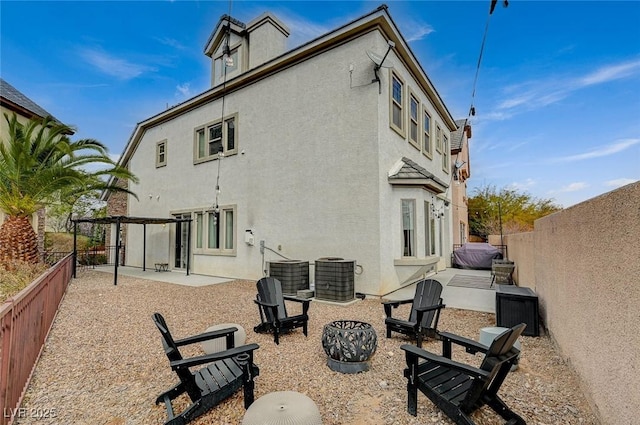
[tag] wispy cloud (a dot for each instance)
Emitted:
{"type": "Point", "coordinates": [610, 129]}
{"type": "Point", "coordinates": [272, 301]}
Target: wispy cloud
{"type": "Point", "coordinates": [416, 31]}
{"type": "Point", "coordinates": [619, 182]}
{"type": "Point", "coordinates": [112, 65]}
{"type": "Point", "coordinates": [171, 42]}
{"type": "Point", "coordinates": [523, 185]}
{"type": "Point", "coordinates": [613, 148]}
{"type": "Point", "coordinates": [183, 90]}
{"type": "Point", "coordinates": [610, 73]}
{"type": "Point", "coordinates": [535, 94]}
{"type": "Point", "coordinates": [571, 187]}
{"type": "Point", "coordinates": [301, 29]}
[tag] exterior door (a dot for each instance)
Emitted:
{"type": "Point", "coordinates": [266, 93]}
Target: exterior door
{"type": "Point", "coordinates": [181, 242]}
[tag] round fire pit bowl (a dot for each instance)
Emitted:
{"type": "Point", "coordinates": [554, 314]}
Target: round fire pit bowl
{"type": "Point", "coordinates": [349, 345]}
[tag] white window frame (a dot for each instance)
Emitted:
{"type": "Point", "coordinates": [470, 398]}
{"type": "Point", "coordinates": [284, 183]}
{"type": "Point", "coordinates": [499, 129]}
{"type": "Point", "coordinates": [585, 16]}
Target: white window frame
{"type": "Point", "coordinates": [438, 138]}
{"type": "Point", "coordinates": [205, 129]}
{"type": "Point", "coordinates": [414, 123]}
{"type": "Point", "coordinates": [227, 243]}
{"type": "Point", "coordinates": [401, 129]}
{"type": "Point", "coordinates": [412, 231]}
{"type": "Point", "coordinates": [427, 140]}
{"type": "Point", "coordinates": [161, 152]}
{"type": "Point", "coordinates": [445, 153]}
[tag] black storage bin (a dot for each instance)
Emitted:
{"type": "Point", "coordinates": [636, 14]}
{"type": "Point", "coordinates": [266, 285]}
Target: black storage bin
{"type": "Point", "coordinates": [515, 305]}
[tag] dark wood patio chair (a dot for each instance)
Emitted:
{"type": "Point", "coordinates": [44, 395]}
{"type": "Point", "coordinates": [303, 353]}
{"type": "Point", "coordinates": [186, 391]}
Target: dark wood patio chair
{"type": "Point", "coordinates": [459, 389]}
{"type": "Point", "coordinates": [425, 312]}
{"type": "Point", "coordinates": [225, 373]}
{"type": "Point", "coordinates": [273, 311]}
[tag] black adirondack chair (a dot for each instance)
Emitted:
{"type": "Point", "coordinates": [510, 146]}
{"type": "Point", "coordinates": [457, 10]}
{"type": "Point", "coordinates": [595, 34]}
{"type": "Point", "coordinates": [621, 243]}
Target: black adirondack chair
{"type": "Point", "coordinates": [459, 389]}
{"type": "Point", "coordinates": [425, 312]}
{"type": "Point", "coordinates": [273, 311]}
{"type": "Point", "coordinates": [225, 373]}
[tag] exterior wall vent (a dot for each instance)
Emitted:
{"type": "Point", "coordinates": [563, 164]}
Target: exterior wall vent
{"type": "Point", "coordinates": [293, 274]}
{"type": "Point", "coordinates": [335, 279]}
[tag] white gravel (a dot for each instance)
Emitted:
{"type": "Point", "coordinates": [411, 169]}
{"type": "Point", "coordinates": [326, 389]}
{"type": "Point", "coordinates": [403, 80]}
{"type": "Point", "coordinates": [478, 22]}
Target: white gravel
{"type": "Point", "coordinates": [104, 364]}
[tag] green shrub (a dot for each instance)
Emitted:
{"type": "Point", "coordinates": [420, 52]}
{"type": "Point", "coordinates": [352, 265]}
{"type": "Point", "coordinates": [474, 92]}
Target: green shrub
{"type": "Point", "coordinates": [63, 242]}
{"type": "Point", "coordinates": [16, 275]}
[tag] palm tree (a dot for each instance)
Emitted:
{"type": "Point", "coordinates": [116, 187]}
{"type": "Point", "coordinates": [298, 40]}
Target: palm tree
{"type": "Point", "coordinates": [38, 161]}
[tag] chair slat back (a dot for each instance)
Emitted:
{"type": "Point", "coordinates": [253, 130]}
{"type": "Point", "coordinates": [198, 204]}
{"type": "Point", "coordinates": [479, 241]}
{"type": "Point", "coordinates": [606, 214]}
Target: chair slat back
{"type": "Point", "coordinates": [428, 292]}
{"type": "Point", "coordinates": [172, 352]}
{"type": "Point", "coordinates": [270, 291]}
{"type": "Point", "coordinates": [170, 347]}
{"type": "Point", "coordinates": [497, 362]}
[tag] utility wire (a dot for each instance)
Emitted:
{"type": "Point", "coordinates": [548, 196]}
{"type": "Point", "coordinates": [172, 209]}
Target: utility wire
{"type": "Point", "coordinates": [472, 108]}
{"type": "Point", "coordinates": [226, 53]}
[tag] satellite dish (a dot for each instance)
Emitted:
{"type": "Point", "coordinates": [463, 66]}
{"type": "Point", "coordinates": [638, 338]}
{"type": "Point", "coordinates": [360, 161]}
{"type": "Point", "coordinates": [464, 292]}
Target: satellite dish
{"type": "Point", "coordinates": [378, 60]}
{"type": "Point", "coordinates": [459, 164]}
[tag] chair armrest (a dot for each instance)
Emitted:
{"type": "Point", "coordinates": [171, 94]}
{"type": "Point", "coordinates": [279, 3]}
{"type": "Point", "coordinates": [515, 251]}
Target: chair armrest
{"type": "Point", "coordinates": [396, 303]}
{"type": "Point", "coordinates": [262, 303]}
{"type": "Point", "coordinates": [304, 302]}
{"type": "Point", "coordinates": [470, 345]}
{"type": "Point", "coordinates": [206, 336]}
{"type": "Point", "coordinates": [431, 307]}
{"type": "Point", "coordinates": [388, 304]}
{"type": "Point", "coordinates": [208, 358]}
{"type": "Point", "coordinates": [413, 352]}
{"type": "Point", "coordinates": [296, 299]}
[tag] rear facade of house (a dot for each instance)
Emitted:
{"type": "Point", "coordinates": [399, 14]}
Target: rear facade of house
{"type": "Point", "coordinates": [324, 154]}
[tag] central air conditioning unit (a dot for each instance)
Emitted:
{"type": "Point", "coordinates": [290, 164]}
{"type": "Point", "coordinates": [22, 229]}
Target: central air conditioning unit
{"type": "Point", "coordinates": [335, 279]}
{"type": "Point", "coordinates": [292, 274]}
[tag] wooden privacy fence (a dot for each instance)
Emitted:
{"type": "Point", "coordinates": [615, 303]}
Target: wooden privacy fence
{"type": "Point", "coordinates": [25, 321]}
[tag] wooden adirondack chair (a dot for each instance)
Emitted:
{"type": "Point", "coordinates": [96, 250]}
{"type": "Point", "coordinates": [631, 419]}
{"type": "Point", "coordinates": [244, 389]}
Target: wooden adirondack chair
{"type": "Point", "coordinates": [225, 373]}
{"type": "Point", "coordinates": [425, 312]}
{"type": "Point", "coordinates": [459, 389]}
{"type": "Point", "coordinates": [273, 311]}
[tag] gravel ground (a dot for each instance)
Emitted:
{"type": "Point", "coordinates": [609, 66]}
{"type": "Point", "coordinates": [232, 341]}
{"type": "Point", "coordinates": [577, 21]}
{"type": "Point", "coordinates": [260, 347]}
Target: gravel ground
{"type": "Point", "coordinates": [103, 362]}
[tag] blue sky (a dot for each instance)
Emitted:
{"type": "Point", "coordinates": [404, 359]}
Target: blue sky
{"type": "Point", "coordinates": [557, 100]}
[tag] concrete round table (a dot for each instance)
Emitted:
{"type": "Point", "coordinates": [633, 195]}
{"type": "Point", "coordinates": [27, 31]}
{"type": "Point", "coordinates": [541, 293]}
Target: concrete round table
{"type": "Point", "coordinates": [220, 344]}
{"type": "Point", "coordinates": [487, 335]}
{"type": "Point", "coordinates": [283, 408]}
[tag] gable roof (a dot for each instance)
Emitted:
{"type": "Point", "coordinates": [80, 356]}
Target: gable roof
{"type": "Point", "coordinates": [377, 20]}
{"type": "Point", "coordinates": [457, 136]}
{"type": "Point", "coordinates": [219, 32]}
{"type": "Point", "coordinates": [15, 100]}
{"type": "Point", "coordinates": [408, 173]}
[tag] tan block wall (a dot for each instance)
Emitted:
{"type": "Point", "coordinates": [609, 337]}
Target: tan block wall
{"type": "Point", "coordinates": [586, 263]}
{"type": "Point", "coordinates": [520, 248]}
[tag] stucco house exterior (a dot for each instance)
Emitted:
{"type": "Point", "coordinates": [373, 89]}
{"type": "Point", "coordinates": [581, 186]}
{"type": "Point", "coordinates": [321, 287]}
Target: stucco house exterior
{"type": "Point", "coordinates": [13, 101]}
{"type": "Point", "coordinates": [461, 172]}
{"type": "Point", "coordinates": [319, 151]}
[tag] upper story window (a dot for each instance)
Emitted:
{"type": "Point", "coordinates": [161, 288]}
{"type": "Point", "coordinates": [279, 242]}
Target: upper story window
{"type": "Point", "coordinates": [427, 147]}
{"type": "Point", "coordinates": [216, 137]}
{"type": "Point", "coordinates": [414, 121]}
{"type": "Point", "coordinates": [438, 139]}
{"type": "Point", "coordinates": [397, 104]}
{"type": "Point", "coordinates": [445, 153]}
{"type": "Point", "coordinates": [161, 154]}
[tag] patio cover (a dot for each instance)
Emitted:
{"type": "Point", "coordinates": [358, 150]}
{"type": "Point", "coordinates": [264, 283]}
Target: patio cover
{"type": "Point", "coordinates": [122, 219]}
{"type": "Point", "coordinates": [475, 256]}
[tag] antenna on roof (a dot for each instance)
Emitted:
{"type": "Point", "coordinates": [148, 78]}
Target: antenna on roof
{"type": "Point", "coordinates": [379, 63]}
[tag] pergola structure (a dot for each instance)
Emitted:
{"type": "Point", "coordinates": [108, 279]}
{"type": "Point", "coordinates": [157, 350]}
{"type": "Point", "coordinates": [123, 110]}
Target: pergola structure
{"type": "Point", "coordinates": [122, 219]}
